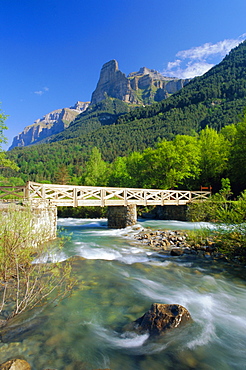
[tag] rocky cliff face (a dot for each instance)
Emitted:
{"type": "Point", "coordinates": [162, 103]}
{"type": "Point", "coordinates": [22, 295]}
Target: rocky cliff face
{"type": "Point", "coordinates": [114, 83]}
{"type": "Point", "coordinates": [52, 123]}
{"type": "Point", "coordinates": [142, 87]}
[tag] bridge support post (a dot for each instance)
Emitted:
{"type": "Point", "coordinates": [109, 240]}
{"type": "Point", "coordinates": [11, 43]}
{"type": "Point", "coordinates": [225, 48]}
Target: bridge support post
{"type": "Point", "coordinates": [120, 217]}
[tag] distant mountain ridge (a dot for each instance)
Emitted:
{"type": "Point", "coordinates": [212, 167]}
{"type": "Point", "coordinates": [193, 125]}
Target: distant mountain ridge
{"type": "Point", "coordinates": [50, 124]}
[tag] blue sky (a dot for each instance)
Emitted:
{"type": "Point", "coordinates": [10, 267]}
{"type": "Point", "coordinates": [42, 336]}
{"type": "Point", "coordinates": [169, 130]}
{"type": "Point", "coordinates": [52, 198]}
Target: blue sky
{"type": "Point", "coordinates": [52, 50]}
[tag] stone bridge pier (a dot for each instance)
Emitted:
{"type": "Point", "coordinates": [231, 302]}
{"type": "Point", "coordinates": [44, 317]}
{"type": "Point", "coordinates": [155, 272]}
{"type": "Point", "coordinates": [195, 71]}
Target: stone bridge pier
{"type": "Point", "coordinates": [120, 217]}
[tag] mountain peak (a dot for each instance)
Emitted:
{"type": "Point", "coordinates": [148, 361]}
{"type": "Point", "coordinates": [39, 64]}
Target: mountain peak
{"type": "Point", "coordinates": [142, 87]}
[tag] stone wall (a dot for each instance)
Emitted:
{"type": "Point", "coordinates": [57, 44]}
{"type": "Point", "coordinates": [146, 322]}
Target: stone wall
{"type": "Point", "coordinates": [179, 213]}
{"type": "Point", "coordinates": [120, 217]}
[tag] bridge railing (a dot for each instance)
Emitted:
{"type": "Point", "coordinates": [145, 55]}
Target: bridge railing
{"type": "Point", "coordinates": [12, 192]}
{"type": "Point", "coordinates": [71, 195]}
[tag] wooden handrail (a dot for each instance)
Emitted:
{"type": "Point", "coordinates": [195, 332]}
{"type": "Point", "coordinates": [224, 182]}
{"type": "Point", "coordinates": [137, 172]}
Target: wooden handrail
{"type": "Point", "coordinates": [74, 195]}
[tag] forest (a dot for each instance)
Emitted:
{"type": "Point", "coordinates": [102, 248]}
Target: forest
{"type": "Point", "coordinates": [186, 162]}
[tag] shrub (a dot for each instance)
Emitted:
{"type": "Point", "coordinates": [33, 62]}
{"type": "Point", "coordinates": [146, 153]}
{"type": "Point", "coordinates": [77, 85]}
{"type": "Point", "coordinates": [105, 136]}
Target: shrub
{"type": "Point", "coordinates": [26, 281]}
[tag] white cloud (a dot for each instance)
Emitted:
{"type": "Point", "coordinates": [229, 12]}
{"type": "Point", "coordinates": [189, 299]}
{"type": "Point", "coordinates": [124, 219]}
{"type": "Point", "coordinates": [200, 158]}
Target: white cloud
{"type": "Point", "coordinates": [195, 61]}
{"type": "Point", "coordinates": [206, 50]}
{"type": "Point", "coordinates": [41, 92]}
{"type": "Point", "coordinates": [174, 64]}
{"type": "Point", "coordinates": [191, 70]}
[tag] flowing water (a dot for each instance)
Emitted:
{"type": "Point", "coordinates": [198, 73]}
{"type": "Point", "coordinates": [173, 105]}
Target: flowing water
{"type": "Point", "coordinates": [118, 280]}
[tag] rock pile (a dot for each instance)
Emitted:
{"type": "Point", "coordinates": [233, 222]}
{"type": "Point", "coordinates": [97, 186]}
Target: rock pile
{"type": "Point", "coordinates": [175, 243]}
{"type": "Point", "coordinates": [164, 240]}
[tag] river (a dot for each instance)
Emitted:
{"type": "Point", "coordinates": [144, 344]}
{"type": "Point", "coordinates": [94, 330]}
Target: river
{"type": "Point", "coordinates": [118, 280]}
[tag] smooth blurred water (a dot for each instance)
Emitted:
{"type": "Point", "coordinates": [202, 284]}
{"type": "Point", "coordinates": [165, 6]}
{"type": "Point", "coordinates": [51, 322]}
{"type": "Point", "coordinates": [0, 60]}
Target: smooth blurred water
{"type": "Point", "coordinates": [118, 280]}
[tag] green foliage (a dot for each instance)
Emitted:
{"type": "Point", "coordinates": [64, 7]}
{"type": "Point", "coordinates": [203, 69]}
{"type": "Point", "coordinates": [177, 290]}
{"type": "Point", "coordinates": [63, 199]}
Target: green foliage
{"type": "Point", "coordinates": [4, 162]}
{"type": "Point", "coordinates": [134, 169]}
{"type": "Point", "coordinates": [82, 212]}
{"type": "Point", "coordinates": [11, 181]}
{"type": "Point", "coordinates": [149, 95]}
{"type": "Point", "coordinates": [3, 127]}
{"type": "Point", "coordinates": [119, 176]}
{"type": "Point", "coordinates": [214, 156]}
{"type": "Point", "coordinates": [225, 190]}
{"type": "Point", "coordinates": [166, 166]}
{"type": "Point", "coordinates": [205, 211]}
{"type": "Point", "coordinates": [62, 175]}
{"type": "Point", "coordinates": [229, 133]}
{"type": "Point", "coordinates": [218, 209]}
{"type": "Point", "coordinates": [96, 170]}
{"type": "Point", "coordinates": [237, 160]}
{"type": "Point", "coordinates": [199, 237]}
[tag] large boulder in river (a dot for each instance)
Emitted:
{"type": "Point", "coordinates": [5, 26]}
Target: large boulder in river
{"type": "Point", "coordinates": [15, 364]}
{"type": "Point", "coordinates": [162, 317]}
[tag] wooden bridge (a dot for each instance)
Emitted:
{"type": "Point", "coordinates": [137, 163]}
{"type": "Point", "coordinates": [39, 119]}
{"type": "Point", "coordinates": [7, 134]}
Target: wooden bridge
{"type": "Point", "coordinates": [79, 196]}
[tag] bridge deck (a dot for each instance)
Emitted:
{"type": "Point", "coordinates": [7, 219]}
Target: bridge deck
{"type": "Point", "coordinates": [77, 196]}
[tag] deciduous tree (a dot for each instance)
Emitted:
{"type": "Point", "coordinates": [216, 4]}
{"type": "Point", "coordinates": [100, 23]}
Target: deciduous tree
{"type": "Point", "coordinates": [214, 156]}
{"type": "Point", "coordinates": [96, 171]}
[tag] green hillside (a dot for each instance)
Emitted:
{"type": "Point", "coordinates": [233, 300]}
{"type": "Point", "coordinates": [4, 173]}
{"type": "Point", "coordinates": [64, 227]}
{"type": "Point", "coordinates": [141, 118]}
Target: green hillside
{"type": "Point", "coordinates": [215, 99]}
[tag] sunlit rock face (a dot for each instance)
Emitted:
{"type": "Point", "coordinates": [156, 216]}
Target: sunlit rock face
{"type": "Point", "coordinates": [114, 83]}
{"type": "Point", "coordinates": [142, 87]}
{"type": "Point", "coordinates": [50, 124]}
